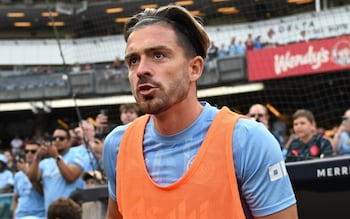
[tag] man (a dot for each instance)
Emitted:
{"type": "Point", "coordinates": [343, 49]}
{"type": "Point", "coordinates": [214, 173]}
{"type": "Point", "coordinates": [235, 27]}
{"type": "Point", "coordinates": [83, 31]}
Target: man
{"type": "Point", "coordinates": [305, 143]}
{"type": "Point", "coordinates": [176, 161]}
{"type": "Point", "coordinates": [86, 131]}
{"type": "Point", "coordinates": [60, 172]}
{"type": "Point", "coordinates": [259, 113]}
{"type": "Point", "coordinates": [27, 201]}
{"type": "Point", "coordinates": [341, 139]}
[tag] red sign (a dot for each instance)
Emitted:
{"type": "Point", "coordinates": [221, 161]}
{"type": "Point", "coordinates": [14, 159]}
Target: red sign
{"type": "Point", "coordinates": [312, 57]}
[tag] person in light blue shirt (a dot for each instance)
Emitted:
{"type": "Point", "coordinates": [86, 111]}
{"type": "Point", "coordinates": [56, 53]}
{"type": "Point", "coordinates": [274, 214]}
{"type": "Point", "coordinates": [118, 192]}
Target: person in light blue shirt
{"type": "Point", "coordinates": [86, 131]}
{"type": "Point", "coordinates": [60, 172]}
{"type": "Point", "coordinates": [6, 177]}
{"type": "Point", "coordinates": [341, 139]}
{"type": "Point", "coordinates": [28, 200]}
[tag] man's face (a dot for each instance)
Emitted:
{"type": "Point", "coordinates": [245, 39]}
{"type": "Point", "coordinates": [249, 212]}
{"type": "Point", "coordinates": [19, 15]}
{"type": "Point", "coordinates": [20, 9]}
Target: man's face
{"type": "Point", "coordinates": [8, 155]}
{"type": "Point", "coordinates": [158, 68]}
{"type": "Point", "coordinates": [60, 140]}
{"type": "Point", "coordinates": [303, 127]}
{"type": "Point", "coordinates": [259, 114]}
{"type": "Point", "coordinates": [30, 151]}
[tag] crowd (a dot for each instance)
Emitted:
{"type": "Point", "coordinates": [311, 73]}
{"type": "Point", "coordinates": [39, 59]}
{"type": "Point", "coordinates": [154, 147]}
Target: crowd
{"type": "Point", "coordinates": [50, 168]}
{"type": "Point", "coordinates": [240, 47]}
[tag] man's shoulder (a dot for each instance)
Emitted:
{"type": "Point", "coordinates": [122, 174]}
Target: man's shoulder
{"type": "Point", "coordinates": [117, 132]}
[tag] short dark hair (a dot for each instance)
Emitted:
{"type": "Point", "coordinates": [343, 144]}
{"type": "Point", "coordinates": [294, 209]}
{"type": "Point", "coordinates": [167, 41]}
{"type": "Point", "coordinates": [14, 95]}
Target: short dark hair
{"type": "Point", "coordinates": [63, 129]}
{"type": "Point", "coordinates": [129, 107]}
{"type": "Point", "coordinates": [189, 30]}
{"type": "Point", "coordinates": [64, 208]}
{"type": "Point", "coordinates": [304, 113]}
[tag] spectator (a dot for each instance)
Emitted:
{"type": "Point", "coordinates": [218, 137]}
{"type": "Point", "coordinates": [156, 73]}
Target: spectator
{"type": "Point", "coordinates": [232, 48]}
{"type": "Point", "coordinates": [76, 68]}
{"type": "Point", "coordinates": [302, 37]}
{"type": "Point", "coordinates": [60, 172]}
{"type": "Point", "coordinates": [241, 49]}
{"type": "Point", "coordinates": [271, 40]}
{"type": "Point", "coordinates": [64, 208]}
{"type": "Point", "coordinates": [88, 67]}
{"type": "Point", "coordinates": [213, 51]}
{"type": "Point", "coordinates": [86, 131]}
{"type": "Point", "coordinates": [180, 152]}
{"type": "Point", "coordinates": [257, 43]}
{"type": "Point", "coordinates": [249, 43]}
{"type": "Point", "coordinates": [222, 51]}
{"type": "Point", "coordinates": [102, 125]}
{"type": "Point", "coordinates": [306, 143]}
{"type": "Point", "coordinates": [259, 113]}
{"type": "Point", "coordinates": [93, 178]}
{"type": "Point", "coordinates": [341, 139]}
{"type": "Point", "coordinates": [11, 164]}
{"type": "Point", "coordinates": [128, 112]}
{"type": "Point", "coordinates": [93, 209]}
{"type": "Point", "coordinates": [27, 198]}
{"type": "Point", "coordinates": [6, 177]}
{"type": "Point", "coordinates": [117, 63]}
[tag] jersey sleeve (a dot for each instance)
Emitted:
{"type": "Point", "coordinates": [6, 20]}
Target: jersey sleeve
{"type": "Point", "coordinates": [260, 169]}
{"type": "Point", "coordinates": [109, 158]}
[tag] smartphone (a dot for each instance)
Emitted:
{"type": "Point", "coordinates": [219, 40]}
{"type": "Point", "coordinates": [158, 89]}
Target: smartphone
{"type": "Point", "coordinates": [48, 140]}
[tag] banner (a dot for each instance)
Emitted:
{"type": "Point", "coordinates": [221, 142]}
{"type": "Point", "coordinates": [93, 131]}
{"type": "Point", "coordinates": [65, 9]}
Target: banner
{"type": "Point", "coordinates": [319, 56]}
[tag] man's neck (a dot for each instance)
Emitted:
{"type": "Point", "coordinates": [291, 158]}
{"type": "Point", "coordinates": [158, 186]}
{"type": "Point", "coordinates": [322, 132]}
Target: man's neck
{"type": "Point", "coordinates": [177, 118]}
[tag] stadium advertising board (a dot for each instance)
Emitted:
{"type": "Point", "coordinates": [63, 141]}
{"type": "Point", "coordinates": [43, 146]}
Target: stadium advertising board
{"type": "Point", "coordinates": [319, 56]}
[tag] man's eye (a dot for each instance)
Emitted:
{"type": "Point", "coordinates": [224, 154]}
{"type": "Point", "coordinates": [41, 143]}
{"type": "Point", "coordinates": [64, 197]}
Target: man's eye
{"type": "Point", "coordinates": [158, 56]}
{"type": "Point", "coordinates": [132, 61]}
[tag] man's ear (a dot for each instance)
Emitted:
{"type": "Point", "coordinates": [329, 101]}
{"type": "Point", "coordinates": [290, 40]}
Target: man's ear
{"type": "Point", "coordinates": [196, 68]}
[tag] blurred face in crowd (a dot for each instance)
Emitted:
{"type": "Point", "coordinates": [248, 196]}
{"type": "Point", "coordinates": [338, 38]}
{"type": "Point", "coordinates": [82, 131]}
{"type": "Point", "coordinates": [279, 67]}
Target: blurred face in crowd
{"type": "Point", "coordinates": [259, 113]}
{"type": "Point", "coordinates": [30, 151]}
{"type": "Point", "coordinates": [9, 156]}
{"type": "Point", "coordinates": [304, 128]}
{"type": "Point", "coordinates": [128, 115]}
{"type": "Point", "coordinates": [61, 140]}
{"type": "Point", "coordinates": [158, 68]}
{"type": "Point", "coordinates": [346, 121]}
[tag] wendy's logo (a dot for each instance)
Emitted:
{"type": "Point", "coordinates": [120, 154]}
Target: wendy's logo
{"type": "Point", "coordinates": [341, 52]}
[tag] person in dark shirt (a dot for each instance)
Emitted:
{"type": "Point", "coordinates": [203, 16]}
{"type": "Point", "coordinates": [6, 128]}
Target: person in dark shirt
{"type": "Point", "coordinates": [306, 143]}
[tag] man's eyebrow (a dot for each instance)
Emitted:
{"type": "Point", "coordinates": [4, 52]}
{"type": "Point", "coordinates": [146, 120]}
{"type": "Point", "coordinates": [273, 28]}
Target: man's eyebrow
{"type": "Point", "coordinates": [147, 50]}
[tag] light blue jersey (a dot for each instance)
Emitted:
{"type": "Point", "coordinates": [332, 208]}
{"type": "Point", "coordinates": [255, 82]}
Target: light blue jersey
{"type": "Point", "coordinates": [344, 143]}
{"type": "Point", "coordinates": [6, 178]}
{"type": "Point", "coordinates": [90, 162]}
{"type": "Point", "coordinates": [30, 202]}
{"type": "Point", "coordinates": [54, 185]}
{"type": "Point", "coordinates": [261, 174]}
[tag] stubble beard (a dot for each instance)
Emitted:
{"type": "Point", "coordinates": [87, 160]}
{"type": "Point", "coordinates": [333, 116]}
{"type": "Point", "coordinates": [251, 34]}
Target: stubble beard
{"type": "Point", "coordinates": [162, 100]}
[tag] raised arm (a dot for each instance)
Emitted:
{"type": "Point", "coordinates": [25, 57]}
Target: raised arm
{"type": "Point", "coordinates": [34, 173]}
